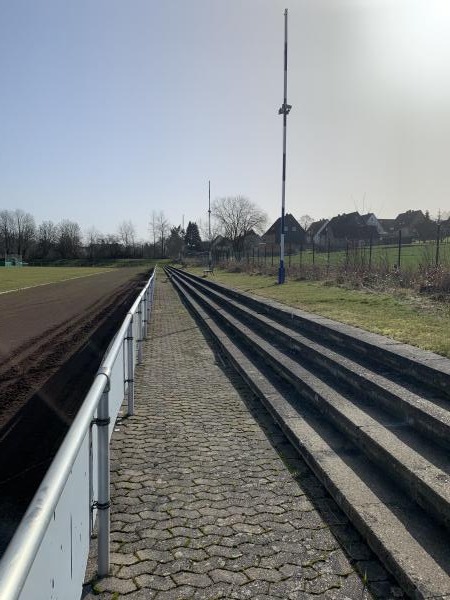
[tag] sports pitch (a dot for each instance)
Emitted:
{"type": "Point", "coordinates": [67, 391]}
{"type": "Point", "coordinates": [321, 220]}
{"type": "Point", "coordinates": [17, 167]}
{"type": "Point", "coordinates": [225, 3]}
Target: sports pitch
{"type": "Point", "coordinates": [17, 278]}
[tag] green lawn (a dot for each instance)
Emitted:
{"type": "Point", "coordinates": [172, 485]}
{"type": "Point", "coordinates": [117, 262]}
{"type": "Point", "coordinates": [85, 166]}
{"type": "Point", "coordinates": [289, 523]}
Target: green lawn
{"type": "Point", "coordinates": [12, 278]}
{"type": "Point", "coordinates": [99, 262]}
{"type": "Point", "coordinates": [412, 255]}
{"type": "Point", "coordinates": [403, 316]}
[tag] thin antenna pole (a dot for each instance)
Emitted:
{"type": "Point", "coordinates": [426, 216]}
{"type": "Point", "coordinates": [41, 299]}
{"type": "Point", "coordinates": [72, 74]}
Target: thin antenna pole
{"type": "Point", "coordinates": [209, 209]}
{"type": "Point", "coordinates": [284, 110]}
{"type": "Point", "coordinates": [209, 223]}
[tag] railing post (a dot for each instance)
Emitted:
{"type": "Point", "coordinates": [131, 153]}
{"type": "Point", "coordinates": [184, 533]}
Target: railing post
{"type": "Point", "coordinates": [145, 315]}
{"type": "Point", "coordinates": [91, 482]}
{"type": "Point", "coordinates": [151, 291]}
{"type": "Point", "coordinates": [103, 502]}
{"type": "Point", "coordinates": [139, 341]}
{"type": "Point", "coordinates": [150, 301]}
{"type": "Point", "coordinates": [130, 369]}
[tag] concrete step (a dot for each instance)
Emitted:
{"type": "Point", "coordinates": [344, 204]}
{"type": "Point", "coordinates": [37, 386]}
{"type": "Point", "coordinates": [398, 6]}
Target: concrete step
{"type": "Point", "coordinates": [411, 545]}
{"type": "Point", "coordinates": [425, 412]}
{"type": "Point", "coordinates": [417, 365]}
{"type": "Point", "coordinates": [424, 481]}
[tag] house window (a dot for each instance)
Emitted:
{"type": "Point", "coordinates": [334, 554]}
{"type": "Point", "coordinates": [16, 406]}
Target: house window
{"type": "Point", "coordinates": [294, 228]}
{"type": "Point", "coordinates": [286, 228]}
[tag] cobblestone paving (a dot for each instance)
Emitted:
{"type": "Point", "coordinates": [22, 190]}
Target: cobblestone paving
{"type": "Point", "coordinates": [204, 507]}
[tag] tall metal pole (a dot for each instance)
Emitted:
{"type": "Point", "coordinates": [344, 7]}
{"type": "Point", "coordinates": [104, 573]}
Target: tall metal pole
{"type": "Point", "coordinates": [284, 110]}
{"type": "Point", "coordinates": [209, 209]}
{"type": "Point", "coordinates": [209, 223]}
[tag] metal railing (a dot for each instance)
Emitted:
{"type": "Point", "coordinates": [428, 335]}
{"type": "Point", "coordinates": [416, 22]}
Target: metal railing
{"type": "Point", "coordinates": [48, 554]}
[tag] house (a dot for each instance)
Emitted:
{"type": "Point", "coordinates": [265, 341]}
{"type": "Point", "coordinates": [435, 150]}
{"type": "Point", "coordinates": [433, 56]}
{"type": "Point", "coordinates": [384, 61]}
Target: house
{"type": "Point", "coordinates": [314, 233]}
{"type": "Point", "coordinates": [247, 242]}
{"type": "Point", "coordinates": [371, 220]}
{"type": "Point", "coordinates": [388, 226]}
{"type": "Point", "coordinates": [221, 244]}
{"type": "Point", "coordinates": [243, 244]}
{"type": "Point", "coordinates": [445, 228]}
{"type": "Point", "coordinates": [409, 223]}
{"type": "Point", "coordinates": [341, 230]}
{"type": "Point", "coordinates": [294, 234]}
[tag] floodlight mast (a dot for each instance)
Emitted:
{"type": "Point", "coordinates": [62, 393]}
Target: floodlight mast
{"type": "Point", "coordinates": [209, 225]}
{"type": "Point", "coordinates": [284, 110]}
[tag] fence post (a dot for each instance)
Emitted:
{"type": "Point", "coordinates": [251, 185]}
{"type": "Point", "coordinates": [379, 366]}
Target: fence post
{"type": "Point", "coordinates": [370, 252]}
{"type": "Point", "coordinates": [399, 248]}
{"type": "Point", "coordinates": [130, 369]}
{"type": "Point", "coordinates": [103, 501]}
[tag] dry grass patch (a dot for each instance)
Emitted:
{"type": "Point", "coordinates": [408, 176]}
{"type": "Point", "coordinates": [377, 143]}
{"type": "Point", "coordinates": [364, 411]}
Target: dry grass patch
{"type": "Point", "coordinates": [401, 315]}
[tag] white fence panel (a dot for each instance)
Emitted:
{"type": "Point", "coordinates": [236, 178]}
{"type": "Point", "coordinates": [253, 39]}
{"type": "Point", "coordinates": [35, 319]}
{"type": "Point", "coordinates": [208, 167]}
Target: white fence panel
{"type": "Point", "coordinates": [117, 387]}
{"type": "Point", "coordinates": [61, 561]}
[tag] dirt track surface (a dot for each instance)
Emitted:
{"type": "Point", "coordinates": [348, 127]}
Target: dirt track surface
{"type": "Point", "coordinates": [52, 340]}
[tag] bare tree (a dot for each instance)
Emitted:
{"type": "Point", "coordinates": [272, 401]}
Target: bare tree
{"type": "Point", "coordinates": [7, 231]}
{"type": "Point", "coordinates": [25, 230]}
{"type": "Point", "coordinates": [162, 229]}
{"type": "Point", "coordinates": [305, 221]}
{"type": "Point", "coordinates": [47, 237]}
{"type": "Point", "coordinates": [69, 239]}
{"type": "Point", "coordinates": [92, 236]}
{"type": "Point", "coordinates": [153, 231]}
{"type": "Point", "coordinates": [203, 226]}
{"type": "Point", "coordinates": [127, 234]}
{"type": "Point", "coordinates": [93, 239]}
{"type": "Point", "coordinates": [237, 216]}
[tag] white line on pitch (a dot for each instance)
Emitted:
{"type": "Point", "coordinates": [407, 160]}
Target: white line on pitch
{"type": "Point", "coordinates": [29, 287]}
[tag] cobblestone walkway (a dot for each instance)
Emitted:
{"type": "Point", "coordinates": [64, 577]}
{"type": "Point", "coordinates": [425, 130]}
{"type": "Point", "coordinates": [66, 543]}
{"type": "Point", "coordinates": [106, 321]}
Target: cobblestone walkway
{"type": "Point", "coordinates": [204, 507]}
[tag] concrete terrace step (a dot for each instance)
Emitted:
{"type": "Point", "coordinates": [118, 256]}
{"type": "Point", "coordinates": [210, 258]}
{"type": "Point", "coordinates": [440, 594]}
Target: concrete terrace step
{"type": "Point", "coordinates": [410, 543]}
{"type": "Point", "coordinates": [420, 365]}
{"type": "Point", "coordinates": [427, 413]}
{"type": "Point", "coordinates": [426, 483]}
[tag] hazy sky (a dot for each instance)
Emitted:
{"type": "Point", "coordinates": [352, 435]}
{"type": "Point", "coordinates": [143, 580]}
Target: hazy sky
{"type": "Point", "coordinates": [110, 109]}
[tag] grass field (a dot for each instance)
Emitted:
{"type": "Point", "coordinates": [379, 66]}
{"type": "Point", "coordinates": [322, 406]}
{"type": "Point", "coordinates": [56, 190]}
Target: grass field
{"type": "Point", "coordinates": [99, 262]}
{"type": "Point", "coordinates": [412, 256]}
{"type": "Point", "coordinates": [22, 277]}
{"type": "Point", "coordinates": [402, 315]}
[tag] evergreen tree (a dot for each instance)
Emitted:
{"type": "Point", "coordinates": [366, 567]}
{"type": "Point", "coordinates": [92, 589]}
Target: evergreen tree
{"type": "Point", "coordinates": [174, 244]}
{"type": "Point", "coordinates": [192, 238]}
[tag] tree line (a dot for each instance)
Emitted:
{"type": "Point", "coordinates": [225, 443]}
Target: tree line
{"type": "Point", "coordinates": [233, 217]}
{"type": "Point", "coordinates": [20, 235]}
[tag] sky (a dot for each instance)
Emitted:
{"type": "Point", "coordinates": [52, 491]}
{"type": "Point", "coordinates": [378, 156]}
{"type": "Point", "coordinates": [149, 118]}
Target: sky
{"type": "Point", "coordinates": [110, 110]}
